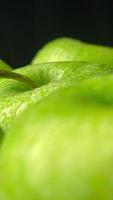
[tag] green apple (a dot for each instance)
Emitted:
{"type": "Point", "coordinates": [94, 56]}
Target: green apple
{"type": "Point", "coordinates": [16, 96]}
{"type": "Point", "coordinates": [67, 49]}
{"type": "Point", "coordinates": [61, 148]}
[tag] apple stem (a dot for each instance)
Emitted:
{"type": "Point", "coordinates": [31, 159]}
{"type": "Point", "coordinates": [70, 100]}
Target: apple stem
{"type": "Point", "coordinates": [18, 77]}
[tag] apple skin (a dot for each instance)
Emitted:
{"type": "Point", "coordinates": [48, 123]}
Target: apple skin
{"type": "Point", "coordinates": [16, 96]}
{"type": "Point", "coordinates": [96, 89]}
{"type": "Point", "coordinates": [1, 135]}
{"type": "Point", "coordinates": [4, 65]}
{"type": "Point", "coordinates": [61, 149]}
{"type": "Point", "coordinates": [68, 49]}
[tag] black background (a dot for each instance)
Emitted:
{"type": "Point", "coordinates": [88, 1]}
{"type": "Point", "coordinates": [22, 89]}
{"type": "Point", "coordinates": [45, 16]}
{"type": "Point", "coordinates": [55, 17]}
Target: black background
{"type": "Point", "coordinates": [26, 25]}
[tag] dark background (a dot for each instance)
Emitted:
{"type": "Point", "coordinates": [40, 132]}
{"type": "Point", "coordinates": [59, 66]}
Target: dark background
{"type": "Point", "coordinates": [26, 25]}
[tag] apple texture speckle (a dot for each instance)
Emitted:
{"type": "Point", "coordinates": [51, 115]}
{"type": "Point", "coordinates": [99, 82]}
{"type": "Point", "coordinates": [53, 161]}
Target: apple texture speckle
{"type": "Point", "coordinates": [15, 96]}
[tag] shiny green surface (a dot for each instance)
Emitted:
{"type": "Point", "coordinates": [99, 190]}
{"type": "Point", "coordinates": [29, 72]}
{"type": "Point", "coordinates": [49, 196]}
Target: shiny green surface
{"type": "Point", "coordinates": [61, 149]}
{"type": "Point", "coordinates": [16, 96]}
{"type": "Point", "coordinates": [67, 49]}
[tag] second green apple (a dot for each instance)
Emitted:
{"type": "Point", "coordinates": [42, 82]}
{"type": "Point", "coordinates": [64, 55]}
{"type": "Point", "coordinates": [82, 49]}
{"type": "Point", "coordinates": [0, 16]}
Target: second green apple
{"type": "Point", "coordinates": [68, 49]}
